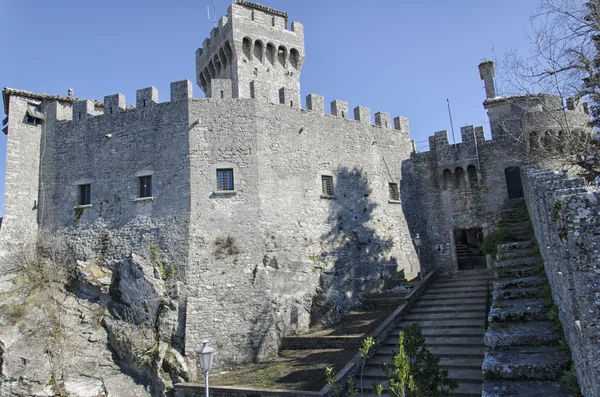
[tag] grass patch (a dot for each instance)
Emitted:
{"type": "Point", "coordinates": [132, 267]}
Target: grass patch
{"type": "Point", "coordinates": [499, 326]}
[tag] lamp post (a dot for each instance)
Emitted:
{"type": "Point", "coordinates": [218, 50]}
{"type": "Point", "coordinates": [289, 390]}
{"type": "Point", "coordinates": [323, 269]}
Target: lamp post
{"type": "Point", "coordinates": [417, 241]}
{"type": "Point", "coordinates": [205, 359]}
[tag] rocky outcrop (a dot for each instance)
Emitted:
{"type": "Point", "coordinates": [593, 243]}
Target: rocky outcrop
{"type": "Point", "coordinates": [98, 333]}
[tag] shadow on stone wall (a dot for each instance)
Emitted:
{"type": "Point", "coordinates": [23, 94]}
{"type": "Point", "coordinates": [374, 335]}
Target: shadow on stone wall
{"type": "Point", "coordinates": [414, 200]}
{"type": "Point", "coordinates": [359, 255]}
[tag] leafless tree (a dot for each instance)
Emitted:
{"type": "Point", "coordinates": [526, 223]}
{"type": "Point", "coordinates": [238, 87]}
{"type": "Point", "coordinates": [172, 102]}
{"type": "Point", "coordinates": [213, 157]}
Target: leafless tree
{"type": "Point", "coordinates": [564, 61]}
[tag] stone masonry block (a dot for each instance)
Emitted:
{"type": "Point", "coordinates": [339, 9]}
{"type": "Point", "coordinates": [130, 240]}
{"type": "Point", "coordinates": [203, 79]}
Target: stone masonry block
{"type": "Point", "coordinates": [479, 136]}
{"type": "Point", "coordinates": [441, 138]}
{"type": "Point", "coordinates": [467, 134]}
{"type": "Point", "coordinates": [181, 90]}
{"type": "Point", "coordinates": [383, 119]}
{"type": "Point", "coordinates": [82, 109]}
{"type": "Point", "coordinates": [401, 124]}
{"type": "Point", "coordinates": [362, 114]}
{"type": "Point", "coordinates": [289, 96]}
{"type": "Point", "coordinates": [258, 90]}
{"type": "Point", "coordinates": [339, 109]}
{"type": "Point", "coordinates": [297, 27]}
{"type": "Point", "coordinates": [145, 97]}
{"type": "Point", "coordinates": [315, 103]}
{"type": "Point", "coordinates": [220, 89]}
{"type": "Point", "coordinates": [114, 103]}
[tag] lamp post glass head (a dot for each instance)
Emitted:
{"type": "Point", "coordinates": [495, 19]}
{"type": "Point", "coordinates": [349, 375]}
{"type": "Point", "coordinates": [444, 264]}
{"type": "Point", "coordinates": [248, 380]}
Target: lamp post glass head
{"type": "Point", "coordinates": [205, 357]}
{"type": "Point", "coordinates": [418, 240]}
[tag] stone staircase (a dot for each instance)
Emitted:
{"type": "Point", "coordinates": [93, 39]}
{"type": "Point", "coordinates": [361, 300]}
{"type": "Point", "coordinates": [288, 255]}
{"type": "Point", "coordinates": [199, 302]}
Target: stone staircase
{"type": "Point", "coordinates": [521, 358]}
{"type": "Point", "coordinates": [452, 317]}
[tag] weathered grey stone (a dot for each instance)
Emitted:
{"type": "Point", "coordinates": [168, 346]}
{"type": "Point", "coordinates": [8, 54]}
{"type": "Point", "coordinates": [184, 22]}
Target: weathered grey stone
{"type": "Point", "coordinates": [524, 282]}
{"type": "Point", "coordinates": [504, 388]}
{"type": "Point", "coordinates": [514, 262]}
{"type": "Point", "coordinates": [540, 363]}
{"type": "Point", "coordinates": [534, 333]}
{"type": "Point", "coordinates": [517, 293]}
{"type": "Point", "coordinates": [518, 310]}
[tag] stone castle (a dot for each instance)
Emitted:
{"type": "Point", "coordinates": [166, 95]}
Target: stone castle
{"type": "Point", "coordinates": [271, 217]}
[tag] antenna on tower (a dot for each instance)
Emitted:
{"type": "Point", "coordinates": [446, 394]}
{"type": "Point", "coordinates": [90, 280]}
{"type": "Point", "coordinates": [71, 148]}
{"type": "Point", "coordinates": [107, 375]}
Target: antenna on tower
{"type": "Point", "coordinates": [214, 19]}
{"type": "Point", "coordinates": [283, 3]}
{"type": "Point", "coordinates": [451, 124]}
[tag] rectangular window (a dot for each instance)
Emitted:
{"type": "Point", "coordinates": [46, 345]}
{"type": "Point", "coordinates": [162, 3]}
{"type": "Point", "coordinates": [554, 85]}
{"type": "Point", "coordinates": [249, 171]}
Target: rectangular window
{"type": "Point", "coordinates": [85, 194]}
{"type": "Point", "coordinates": [225, 179]}
{"type": "Point", "coordinates": [146, 186]}
{"type": "Point", "coordinates": [394, 193]}
{"type": "Point", "coordinates": [327, 184]}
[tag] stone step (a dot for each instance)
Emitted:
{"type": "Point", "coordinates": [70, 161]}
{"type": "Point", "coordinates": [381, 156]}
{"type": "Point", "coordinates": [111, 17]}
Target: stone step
{"type": "Point", "coordinates": [381, 302]}
{"type": "Point", "coordinates": [441, 302]}
{"type": "Point", "coordinates": [515, 272]}
{"type": "Point", "coordinates": [517, 293]}
{"type": "Point", "coordinates": [479, 331]}
{"type": "Point", "coordinates": [478, 307]}
{"type": "Point", "coordinates": [523, 282]}
{"type": "Point", "coordinates": [517, 253]}
{"type": "Point", "coordinates": [466, 388]}
{"type": "Point", "coordinates": [531, 333]}
{"type": "Point", "coordinates": [454, 290]}
{"type": "Point", "coordinates": [453, 323]}
{"type": "Point", "coordinates": [503, 388]}
{"type": "Point", "coordinates": [462, 283]}
{"type": "Point", "coordinates": [453, 332]}
{"type": "Point", "coordinates": [442, 351]}
{"type": "Point", "coordinates": [518, 310]}
{"type": "Point", "coordinates": [469, 362]}
{"type": "Point", "coordinates": [514, 245]}
{"type": "Point", "coordinates": [442, 340]}
{"type": "Point", "coordinates": [520, 236]}
{"type": "Point", "coordinates": [535, 363]}
{"type": "Point", "coordinates": [514, 262]}
{"type": "Point", "coordinates": [444, 316]}
{"type": "Point", "coordinates": [430, 295]}
{"type": "Point", "coordinates": [458, 374]}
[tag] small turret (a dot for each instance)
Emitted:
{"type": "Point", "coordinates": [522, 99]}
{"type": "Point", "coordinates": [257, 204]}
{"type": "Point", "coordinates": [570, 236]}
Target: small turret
{"type": "Point", "coordinates": [487, 73]}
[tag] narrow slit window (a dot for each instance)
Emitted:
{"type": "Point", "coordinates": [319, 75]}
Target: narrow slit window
{"type": "Point", "coordinates": [225, 179]}
{"type": "Point", "coordinates": [145, 186]}
{"type": "Point", "coordinates": [394, 192]}
{"type": "Point", "coordinates": [327, 184]}
{"type": "Point", "coordinates": [84, 194]}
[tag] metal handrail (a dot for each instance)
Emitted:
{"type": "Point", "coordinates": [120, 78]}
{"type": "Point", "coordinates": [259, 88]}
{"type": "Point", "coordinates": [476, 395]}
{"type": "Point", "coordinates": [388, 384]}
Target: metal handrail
{"type": "Point", "coordinates": [487, 305]}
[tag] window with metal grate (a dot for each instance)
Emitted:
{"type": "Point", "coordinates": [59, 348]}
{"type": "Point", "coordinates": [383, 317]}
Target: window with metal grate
{"type": "Point", "coordinates": [84, 194]}
{"type": "Point", "coordinates": [225, 179]}
{"type": "Point", "coordinates": [327, 184]}
{"type": "Point", "coordinates": [394, 193]}
{"type": "Point", "coordinates": [145, 186]}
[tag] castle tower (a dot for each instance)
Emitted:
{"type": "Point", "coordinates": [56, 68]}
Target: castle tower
{"type": "Point", "coordinates": [253, 48]}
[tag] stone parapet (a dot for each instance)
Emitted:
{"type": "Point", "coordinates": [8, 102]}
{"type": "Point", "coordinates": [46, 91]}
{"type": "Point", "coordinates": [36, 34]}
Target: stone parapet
{"type": "Point", "coordinates": [566, 218]}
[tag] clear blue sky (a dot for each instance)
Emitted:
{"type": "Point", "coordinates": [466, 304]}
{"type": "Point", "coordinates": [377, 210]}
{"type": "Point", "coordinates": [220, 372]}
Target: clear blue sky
{"type": "Point", "coordinates": [403, 57]}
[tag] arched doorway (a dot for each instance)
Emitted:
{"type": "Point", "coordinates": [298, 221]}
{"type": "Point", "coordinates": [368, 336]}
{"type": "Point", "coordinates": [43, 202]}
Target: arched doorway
{"type": "Point", "coordinates": [513, 182]}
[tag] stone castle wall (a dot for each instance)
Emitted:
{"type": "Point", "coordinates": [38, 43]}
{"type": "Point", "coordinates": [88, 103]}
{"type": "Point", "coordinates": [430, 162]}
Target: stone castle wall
{"type": "Point", "coordinates": [296, 246]}
{"type": "Point", "coordinates": [455, 186]}
{"type": "Point", "coordinates": [253, 264]}
{"type": "Point", "coordinates": [566, 219]}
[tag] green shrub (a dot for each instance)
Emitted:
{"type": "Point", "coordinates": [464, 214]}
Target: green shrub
{"type": "Point", "coordinates": [493, 239]}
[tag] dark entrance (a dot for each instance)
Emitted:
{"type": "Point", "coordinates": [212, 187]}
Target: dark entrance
{"type": "Point", "coordinates": [513, 182]}
{"type": "Point", "coordinates": [468, 254]}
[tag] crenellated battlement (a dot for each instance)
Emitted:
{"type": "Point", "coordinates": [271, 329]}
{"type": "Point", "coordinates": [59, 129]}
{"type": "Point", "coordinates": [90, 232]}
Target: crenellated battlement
{"type": "Point", "coordinates": [316, 103]}
{"type": "Point", "coordinates": [471, 137]}
{"type": "Point", "coordinates": [147, 98]}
